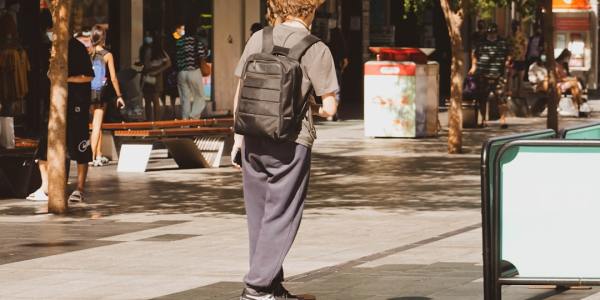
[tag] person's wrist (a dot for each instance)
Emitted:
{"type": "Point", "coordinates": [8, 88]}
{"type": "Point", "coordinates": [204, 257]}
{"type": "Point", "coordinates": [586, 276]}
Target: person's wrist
{"type": "Point", "coordinates": [322, 112]}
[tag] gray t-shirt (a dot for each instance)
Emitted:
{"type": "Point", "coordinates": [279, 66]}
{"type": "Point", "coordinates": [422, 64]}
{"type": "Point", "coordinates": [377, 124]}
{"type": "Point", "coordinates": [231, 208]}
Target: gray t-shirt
{"type": "Point", "coordinates": [317, 62]}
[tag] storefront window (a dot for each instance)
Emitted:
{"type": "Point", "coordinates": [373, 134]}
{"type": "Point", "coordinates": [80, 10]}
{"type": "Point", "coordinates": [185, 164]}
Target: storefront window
{"type": "Point", "coordinates": [161, 17]}
{"type": "Point", "coordinates": [577, 48]}
{"type": "Point", "coordinates": [87, 13]}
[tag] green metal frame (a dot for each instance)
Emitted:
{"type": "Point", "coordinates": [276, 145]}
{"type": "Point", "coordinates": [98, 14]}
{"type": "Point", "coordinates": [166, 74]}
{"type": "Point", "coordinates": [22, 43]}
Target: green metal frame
{"type": "Point", "coordinates": [502, 272]}
{"type": "Point", "coordinates": [488, 155]}
{"type": "Point", "coordinates": [584, 132]}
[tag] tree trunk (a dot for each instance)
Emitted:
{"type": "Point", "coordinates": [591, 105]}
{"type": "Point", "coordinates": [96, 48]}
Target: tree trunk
{"type": "Point", "coordinates": [554, 96]}
{"type": "Point", "coordinates": [454, 22]}
{"type": "Point", "coordinates": [57, 182]}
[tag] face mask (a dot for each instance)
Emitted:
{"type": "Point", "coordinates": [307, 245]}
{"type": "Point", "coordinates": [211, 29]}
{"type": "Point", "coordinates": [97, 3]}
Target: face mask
{"type": "Point", "coordinates": [50, 35]}
{"type": "Point", "coordinates": [182, 33]}
{"type": "Point", "coordinates": [148, 40]}
{"type": "Point", "coordinates": [543, 58]}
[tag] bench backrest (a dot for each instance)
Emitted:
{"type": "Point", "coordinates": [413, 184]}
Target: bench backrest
{"type": "Point", "coordinates": [584, 132]}
{"type": "Point", "coordinates": [167, 124]}
{"type": "Point", "coordinates": [174, 132]}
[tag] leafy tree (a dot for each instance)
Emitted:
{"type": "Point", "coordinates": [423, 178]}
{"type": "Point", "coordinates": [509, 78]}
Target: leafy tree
{"type": "Point", "coordinates": [57, 203]}
{"type": "Point", "coordinates": [454, 13]}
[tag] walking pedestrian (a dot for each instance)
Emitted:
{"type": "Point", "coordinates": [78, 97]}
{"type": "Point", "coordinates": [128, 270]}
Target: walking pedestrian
{"type": "Point", "coordinates": [276, 171]}
{"type": "Point", "coordinates": [170, 78]}
{"type": "Point", "coordinates": [78, 137]}
{"type": "Point", "coordinates": [105, 90]}
{"type": "Point", "coordinates": [189, 55]}
{"type": "Point", "coordinates": [155, 61]}
{"type": "Point", "coordinates": [489, 63]}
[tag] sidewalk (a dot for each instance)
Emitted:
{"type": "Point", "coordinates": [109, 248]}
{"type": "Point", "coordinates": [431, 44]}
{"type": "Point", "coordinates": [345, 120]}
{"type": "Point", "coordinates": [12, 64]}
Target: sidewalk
{"type": "Point", "coordinates": [385, 219]}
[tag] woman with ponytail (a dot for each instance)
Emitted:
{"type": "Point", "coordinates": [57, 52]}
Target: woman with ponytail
{"type": "Point", "coordinates": [105, 90]}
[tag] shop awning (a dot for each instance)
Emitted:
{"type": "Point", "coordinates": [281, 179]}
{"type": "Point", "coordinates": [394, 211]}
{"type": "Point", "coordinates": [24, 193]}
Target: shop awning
{"type": "Point", "coordinates": [571, 5]}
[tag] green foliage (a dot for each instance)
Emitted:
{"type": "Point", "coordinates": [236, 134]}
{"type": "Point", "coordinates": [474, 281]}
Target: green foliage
{"type": "Point", "coordinates": [484, 8]}
{"type": "Point", "coordinates": [416, 6]}
{"type": "Point", "coordinates": [526, 8]}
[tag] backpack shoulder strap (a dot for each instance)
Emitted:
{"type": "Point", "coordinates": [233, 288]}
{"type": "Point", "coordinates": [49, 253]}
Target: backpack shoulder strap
{"type": "Point", "coordinates": [267, 42]}
{"type": "Point", "coordinates": [299, 49]}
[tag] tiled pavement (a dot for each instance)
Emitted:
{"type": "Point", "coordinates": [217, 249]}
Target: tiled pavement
{"type": "Point", "coordinates": [385, 219]}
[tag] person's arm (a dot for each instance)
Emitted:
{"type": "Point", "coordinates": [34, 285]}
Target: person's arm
{"type": "Point", "coordinates": [345, 63]}
{"type": "Point", "coordinates": [532, 74]}
{"type": "Point", "coordinates": [113, 78]}
{"type": "Point", "coordinates": [80, 79]}
{"type": "Point", "coordinates": [202, 51]}
{"type": "Point", "coordinates": [329, 107]}
{"type": "Point", "coordinates": [166, 63]}
{"type": "Point", "coordinates": [237, 138]}
{"type": "Point", "coordinates": [473, 63]}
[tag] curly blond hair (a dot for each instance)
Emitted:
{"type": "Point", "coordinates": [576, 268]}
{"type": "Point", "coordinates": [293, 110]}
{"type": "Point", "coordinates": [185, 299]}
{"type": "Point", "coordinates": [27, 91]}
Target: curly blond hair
{"type": "Point", "coordinates": [273, 13]}
{"type": "Point", "coordinates": [279, 10]}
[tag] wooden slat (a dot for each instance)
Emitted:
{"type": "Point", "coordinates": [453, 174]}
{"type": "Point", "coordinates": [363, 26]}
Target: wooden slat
{"type": "Point", "coordinates": [172, 132]}
{"type": "Point", "coordinates": [166, 124]}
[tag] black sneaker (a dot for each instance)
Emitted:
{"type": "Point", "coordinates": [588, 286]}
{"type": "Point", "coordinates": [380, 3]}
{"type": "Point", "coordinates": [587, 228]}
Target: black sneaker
{"type": "Point", "coordinates": [281, 293]}
{"type": "Point", "coordinates": [251, 294]}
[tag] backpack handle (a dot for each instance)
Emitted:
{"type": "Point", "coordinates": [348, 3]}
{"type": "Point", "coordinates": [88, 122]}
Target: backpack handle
{"type": "Point", "coordinates": [267, 44]}
{"type": "Point", "coordinates": [295, 52]}
{"type": "Point", "coordinates": [301, 47]}
{"type": "Point", "coordinates": [280, 51]}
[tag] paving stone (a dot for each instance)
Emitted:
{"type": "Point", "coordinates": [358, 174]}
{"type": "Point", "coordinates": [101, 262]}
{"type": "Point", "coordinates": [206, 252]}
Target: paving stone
{"type": "Point", "coordinates": [384, 219]}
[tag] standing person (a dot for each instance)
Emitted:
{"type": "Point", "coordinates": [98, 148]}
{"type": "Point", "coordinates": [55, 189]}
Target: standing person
{"type": "Point", "coordinates": [155, 61]}
{"type": "Point", "coordinates": [535, 46]}
{"type": "Point", "coordinates": [170, 80]}
{"type": "Point", "coordinates": [276, 173]}
{"type": "Point", "coordinates": [189, 54]}
{"type": "Point", "coordinates": [517, 43]}
{"type": "Point", "coordinates": [47, 36]}
{"type": "Point", "coordinates": [488, 65]}
{"type": "Point", "coordinates": [105, 90]}
{"type": "Point", "coordinates": [78, 137]}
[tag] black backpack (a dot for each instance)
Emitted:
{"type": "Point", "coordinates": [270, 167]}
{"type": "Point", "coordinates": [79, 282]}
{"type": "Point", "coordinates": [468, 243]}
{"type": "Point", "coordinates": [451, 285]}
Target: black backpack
{"type": "Point", "coordinates": [271, 103]}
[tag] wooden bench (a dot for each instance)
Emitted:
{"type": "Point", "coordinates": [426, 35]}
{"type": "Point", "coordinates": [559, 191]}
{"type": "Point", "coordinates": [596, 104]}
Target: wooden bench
{"type": "Point", "coordinates": [200, 147]}
{"type": "Point", "coordinates": [167, 124]}
{"type": "Point", "coordinates": [111, 143]}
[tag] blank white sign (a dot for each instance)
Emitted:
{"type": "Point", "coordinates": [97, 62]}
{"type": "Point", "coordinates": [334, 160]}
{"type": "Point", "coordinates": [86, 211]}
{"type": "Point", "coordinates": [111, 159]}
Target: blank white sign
{"type": "Point", "coordinates": [134, 158]}
{"type": "Point", "coordinates": [551, 214]}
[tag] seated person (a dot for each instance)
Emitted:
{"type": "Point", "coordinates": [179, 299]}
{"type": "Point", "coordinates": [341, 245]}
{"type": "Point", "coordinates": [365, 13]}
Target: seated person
{"type": "Point", "coordinates": [566, 82]}
{"type": "Point", "coordinates": [538, 75]}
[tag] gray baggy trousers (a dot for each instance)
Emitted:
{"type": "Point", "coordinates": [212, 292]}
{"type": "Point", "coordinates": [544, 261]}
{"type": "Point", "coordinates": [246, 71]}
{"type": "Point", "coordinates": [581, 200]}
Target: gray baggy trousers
{"type": "Point", "coordinates": [275, 179]}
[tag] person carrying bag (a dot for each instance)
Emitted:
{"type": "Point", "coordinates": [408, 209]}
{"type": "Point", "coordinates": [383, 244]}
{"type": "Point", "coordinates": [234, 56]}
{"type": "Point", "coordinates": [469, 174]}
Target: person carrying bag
{"type": "Point", "coordinates": [280, 72]}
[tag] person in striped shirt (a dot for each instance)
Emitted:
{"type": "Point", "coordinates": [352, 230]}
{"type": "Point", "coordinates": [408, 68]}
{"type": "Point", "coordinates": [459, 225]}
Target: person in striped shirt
{"type": "Point", "coordinates": [489, 62]}
{"type": "Point", "coordinates": [189, 52]}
